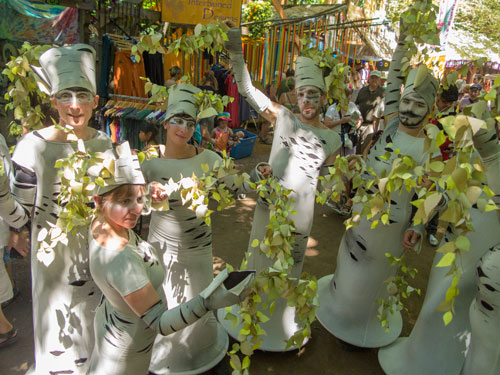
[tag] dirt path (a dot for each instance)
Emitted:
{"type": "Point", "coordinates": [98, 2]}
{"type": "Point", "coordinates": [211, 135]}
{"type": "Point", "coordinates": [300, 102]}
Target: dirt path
{"type": "Point", "coordinates": [231, 231]}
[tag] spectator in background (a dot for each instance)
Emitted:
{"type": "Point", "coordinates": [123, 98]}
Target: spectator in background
{"type": "Point", "coordinates": [147, 134]}
{"type": "Point", "coordinates": [368, 99]}
{"type": "Point", "coordinates": [477, 79]}
{"type": "Point", "coordinates": [365, 73]}
{"type": "Point", "coordinates": [206, 125]}
{"type": "Point", "coordinates": [475, 90]}
{"type": "Point", "coordinates": [175, 76]}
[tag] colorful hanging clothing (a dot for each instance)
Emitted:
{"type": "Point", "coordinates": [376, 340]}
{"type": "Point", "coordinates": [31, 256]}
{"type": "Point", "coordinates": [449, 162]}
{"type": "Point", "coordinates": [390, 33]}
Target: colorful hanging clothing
{"type": "Point", "coordinates": [234, 107]}
{"type": "Point", "coordinates": [127, 77]}
{"type": "Point", "coordinates": [18, 27]}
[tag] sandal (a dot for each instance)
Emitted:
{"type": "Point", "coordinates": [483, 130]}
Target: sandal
{"type": "Point", "coordinates": [8, 338]}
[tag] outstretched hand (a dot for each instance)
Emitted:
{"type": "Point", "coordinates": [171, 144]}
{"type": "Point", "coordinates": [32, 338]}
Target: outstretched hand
{"type": "Point", "coordinates": [266, 170]}
{"type": "Point", "coordinates": [410, 239]}
{"type": "Point", "coordinates": [19, 242]}
{"type": "Point", "coordinates": [229, 24]}
{"type": "Point", "coordinates": [158, 192]}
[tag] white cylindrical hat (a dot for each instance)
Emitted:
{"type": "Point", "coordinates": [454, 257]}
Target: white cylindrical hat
{"type": "Point", "coordinates": [65, 67]}
{"type": "Point", "coordinates": [308, 73]}
{"type": "Point", "coordinates": [181, 100]}
{"type": "Point", "coordinates": [126, 168]}
{"type": "Point", "coordinates": [421, 81]}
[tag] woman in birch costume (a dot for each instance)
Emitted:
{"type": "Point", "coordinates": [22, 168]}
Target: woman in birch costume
{"type": "Point", "coordinates": [130, 274]}
{"type": "Point", "coordinates": [436, 348]}
{"type": "Point", "coordinates": [348, 299]}
{"type": "Point", "coordinates": [64, 295]}
{"type": "Point", "coordinates": [184, 241]}
{"type": "Point", "coordinates": [301, 146]}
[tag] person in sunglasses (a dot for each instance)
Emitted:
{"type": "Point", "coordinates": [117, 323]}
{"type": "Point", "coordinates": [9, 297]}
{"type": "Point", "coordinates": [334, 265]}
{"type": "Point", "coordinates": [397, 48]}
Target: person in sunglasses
{"type": "Point", "coordinates": [184, 242]}
{"type": "Point", "coordinates": [64, 295]}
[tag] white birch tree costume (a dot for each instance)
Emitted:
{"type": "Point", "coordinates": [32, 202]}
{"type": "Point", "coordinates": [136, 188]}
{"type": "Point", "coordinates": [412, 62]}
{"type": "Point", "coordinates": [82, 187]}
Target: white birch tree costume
{"type": "Point", "coordinates": [184, 245]}
{"type": "Point", "coordinates": [11, 214]}
{"type": "Point", "coordinates": [124, 341]}
{"type": "Point", "coordinates": [64, 295]}
{"type": "Point", "coordinates": [483, 355]}
{"type": "Point", "coordinates": [348, 299]}
{"type": "Point", "coordinates": [432, 347]}
{"type": "Point", "coordinates": [297, 156]}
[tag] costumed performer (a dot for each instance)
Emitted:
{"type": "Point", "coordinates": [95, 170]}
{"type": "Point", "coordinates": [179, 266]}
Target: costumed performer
{"type": "Point", "coordinates": [436, 348]}
{"type": "Point", "coordinates": [64, 295]}
{"type": "Point", "coordinates": [301, 146]}
{"type": "Point", "coordinates": [130, 274]}
{"type": "Point", "coordinates": [11, 214]}
{"type": "Point", "coordinates": [348, 299]}
{"type": "Point", "coordinates": [183, 241]}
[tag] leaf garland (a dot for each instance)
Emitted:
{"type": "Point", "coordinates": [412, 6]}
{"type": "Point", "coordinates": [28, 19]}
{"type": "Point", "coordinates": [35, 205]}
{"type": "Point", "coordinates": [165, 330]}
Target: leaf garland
{"type": "Point", "coordinates": [23, 90]}
{"type": "Point", "coordinates": [273, 282]}
{"type": "Point", "coordinates": [336, 79]}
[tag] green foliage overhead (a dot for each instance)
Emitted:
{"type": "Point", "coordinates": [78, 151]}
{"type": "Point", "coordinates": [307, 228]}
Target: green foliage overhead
{"type": "Point", "coordinates": [480, 17]}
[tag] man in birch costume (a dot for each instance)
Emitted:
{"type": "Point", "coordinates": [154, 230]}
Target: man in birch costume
{"type": "Point", "coordinates": [301, 145]}
{"type": "Point", "coordinates": [348, 299]}
{"type": "Point", "coordinates": [64, 295]}
{"type": "Point", "coordinates": [470, 343]}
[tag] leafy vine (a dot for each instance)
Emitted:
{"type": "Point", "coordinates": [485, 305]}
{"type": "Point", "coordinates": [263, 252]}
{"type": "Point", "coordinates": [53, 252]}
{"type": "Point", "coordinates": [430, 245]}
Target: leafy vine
{"type": "Point", "coordinates": [23, 92]}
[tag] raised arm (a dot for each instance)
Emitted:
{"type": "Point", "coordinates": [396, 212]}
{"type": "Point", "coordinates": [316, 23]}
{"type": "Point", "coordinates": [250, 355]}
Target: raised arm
{"type": "Point", "coordinates": [257, 99]}
{"type": "Point", "coordinates": [394, 81]}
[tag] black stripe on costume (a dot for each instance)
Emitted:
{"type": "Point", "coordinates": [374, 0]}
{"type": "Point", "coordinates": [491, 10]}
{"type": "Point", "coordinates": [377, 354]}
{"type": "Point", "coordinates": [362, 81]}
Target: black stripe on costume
{"type": "Point", "coordinates": [147, 348]}
{"type": "Point", "coordinates": [157, 303]}
{"type": "Point", "coordinates": [108, 340]}
{"type": "Point", "coordinates": [182, 316]}
{"type": "Point", "coordinates": [108, 328]}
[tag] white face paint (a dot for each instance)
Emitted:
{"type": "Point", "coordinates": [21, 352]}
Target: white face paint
{"type": "Point", "coordinates": [75, 107]}
{"type": "Point", "coordinates": [412, 110]}
{"type": "Point", "coordinates": [309, 101]}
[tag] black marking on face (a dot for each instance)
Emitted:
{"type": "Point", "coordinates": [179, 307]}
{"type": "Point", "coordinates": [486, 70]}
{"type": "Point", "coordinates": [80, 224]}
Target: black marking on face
{"type": "Point", "coordinates": [57, 353]}
{"type": "Point", "coordinates": [79, 361]}
{"type": "Point", "coordinates": [353, 257]}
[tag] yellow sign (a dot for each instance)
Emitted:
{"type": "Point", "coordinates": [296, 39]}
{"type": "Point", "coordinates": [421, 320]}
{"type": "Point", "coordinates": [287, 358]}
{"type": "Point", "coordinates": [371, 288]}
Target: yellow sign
{"type": "Point", "coordinates": [192, 12]}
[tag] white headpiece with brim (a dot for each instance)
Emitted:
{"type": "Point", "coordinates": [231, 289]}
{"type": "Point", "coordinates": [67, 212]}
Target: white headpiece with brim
{"type": "Point", "coordinates": [126, 167]}
{"type": "Point", "coordinates": [65, 67]}
{"type": "Point", "coordinates": [181, 100]}
{"type": "Point", "coordinates": [421, 81]}
{"type": "Point", "coordinates": [308, 73]}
